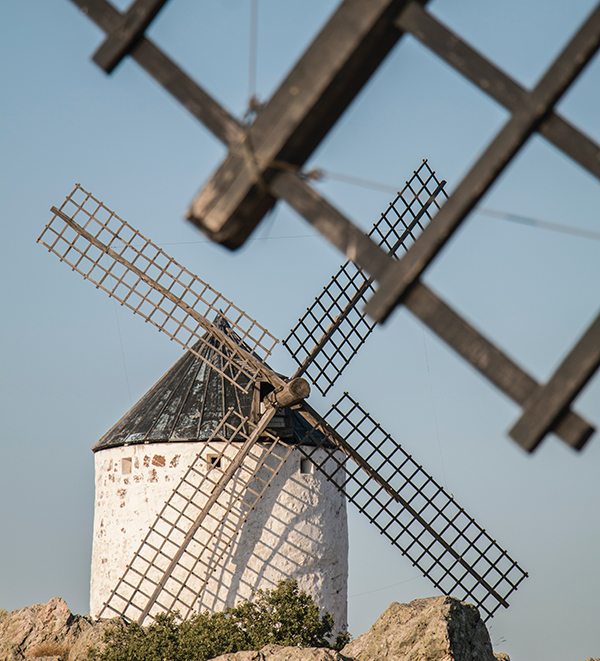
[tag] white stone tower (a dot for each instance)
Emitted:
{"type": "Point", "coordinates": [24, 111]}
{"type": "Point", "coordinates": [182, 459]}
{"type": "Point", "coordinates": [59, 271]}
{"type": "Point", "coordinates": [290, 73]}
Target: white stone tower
{"type": "Point", "coordinates": [297, 530]}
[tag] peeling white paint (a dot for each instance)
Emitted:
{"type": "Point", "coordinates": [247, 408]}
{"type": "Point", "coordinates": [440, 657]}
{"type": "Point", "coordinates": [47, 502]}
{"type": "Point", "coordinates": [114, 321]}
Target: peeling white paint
{"type": "Point", "coordinates": [298, 530]}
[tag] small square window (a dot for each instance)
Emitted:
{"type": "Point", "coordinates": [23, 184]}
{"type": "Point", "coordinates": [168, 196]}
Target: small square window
{"type": "Point", "coordinates": [306, 466]}
{"type": "Point", "coordinates": [126, 465]}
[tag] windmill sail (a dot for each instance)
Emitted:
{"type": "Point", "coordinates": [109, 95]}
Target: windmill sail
{"type": "Point", "coordinates": [333, 328]}
{"type": "Point", "coordinates": [409, 507]}
{"type": "Point", "coordinates": [109, 252]}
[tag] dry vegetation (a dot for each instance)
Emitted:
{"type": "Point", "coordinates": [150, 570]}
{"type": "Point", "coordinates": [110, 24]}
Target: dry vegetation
{"type": "Point", "coordinates": [51, 649]}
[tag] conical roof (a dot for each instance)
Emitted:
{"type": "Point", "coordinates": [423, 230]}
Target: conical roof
{"type": "Point", "coordinates": [186, 404]}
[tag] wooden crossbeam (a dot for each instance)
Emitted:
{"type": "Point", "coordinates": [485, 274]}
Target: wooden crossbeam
{"type": "Point", "coordinates": [188, 92]}
{"type": "Point", "coordinates": [131, 28]}
{"type": "Point", "coordinates": [547, 403]}
{"type": "Point", "coordinates": [533, 108]}
{"type": "Point", "coordinates": [297, 117]}
{"type": "Point", "coordinates": [494, 82]}
{"type": "Point", "coordinates": [332, 224]}
{"type": "Point", "coordinates": [492, 363]}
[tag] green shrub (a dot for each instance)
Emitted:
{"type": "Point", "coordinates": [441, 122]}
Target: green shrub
{"type": "Point", "coordinates": [283, 616]}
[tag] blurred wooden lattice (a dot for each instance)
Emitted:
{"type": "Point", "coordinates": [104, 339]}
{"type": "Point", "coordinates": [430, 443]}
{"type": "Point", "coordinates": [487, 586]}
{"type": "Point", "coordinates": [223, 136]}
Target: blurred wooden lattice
{"type": "Point", "coordinates": [265, 160]}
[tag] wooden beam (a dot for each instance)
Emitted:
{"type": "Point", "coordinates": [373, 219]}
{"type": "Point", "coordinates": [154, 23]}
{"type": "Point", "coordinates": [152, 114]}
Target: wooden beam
{"type": "Point", "coordinates": [332, 224]}
{"type": "Point", "coordinates": [132, 25]}
{"type": "Point", "coordinates": [193, 97]}
{"type": "Point", "coordinates": [297, 117]}
{"type": "Point", "coordinates": [547, 403]}
{"type": "Point", "coordinates": [491, 362]}
{"type": "Point", "coordinates": [491, 80]}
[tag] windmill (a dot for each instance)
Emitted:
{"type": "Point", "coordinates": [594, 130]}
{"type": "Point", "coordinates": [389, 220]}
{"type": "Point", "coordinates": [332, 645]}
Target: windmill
{"type": "Point", "coordinates": [227, 478]}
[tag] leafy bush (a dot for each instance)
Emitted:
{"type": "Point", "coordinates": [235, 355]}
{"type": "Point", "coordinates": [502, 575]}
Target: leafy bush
{"type": "Point", "coordinates": [283, 616]}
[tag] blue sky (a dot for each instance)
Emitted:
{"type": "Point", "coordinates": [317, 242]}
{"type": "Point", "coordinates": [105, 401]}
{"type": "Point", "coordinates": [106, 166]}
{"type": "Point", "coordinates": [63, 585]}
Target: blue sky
{"type": "Point", "coordinates": [73, 362]}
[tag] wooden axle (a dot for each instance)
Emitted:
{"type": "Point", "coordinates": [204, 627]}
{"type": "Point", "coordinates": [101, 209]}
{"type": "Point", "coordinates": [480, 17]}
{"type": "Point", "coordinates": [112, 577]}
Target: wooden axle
{"type": "Point", "coordinates": [292, 392]}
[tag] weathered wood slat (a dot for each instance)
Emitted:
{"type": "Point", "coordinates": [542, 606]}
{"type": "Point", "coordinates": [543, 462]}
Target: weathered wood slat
{"type": "Point", "coordinates": [132, 26]}
{"type": "Point", "coordinates": [297, 117]}
{"type": "Point", "coordinates": [505, 374]}
{"type": "Point", "coordinates": [547, 403]}
{"type": "Point", "coordinates": [193, 97]}
{"type": "Point", "coordinates": [332, 224]}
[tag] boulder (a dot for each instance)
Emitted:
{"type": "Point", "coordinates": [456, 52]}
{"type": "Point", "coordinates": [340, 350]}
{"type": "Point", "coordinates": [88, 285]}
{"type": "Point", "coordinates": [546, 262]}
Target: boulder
{"type": "Point", "coordinates": [48, 632]}
{"type": "Point", "coordinates": [434, 629]}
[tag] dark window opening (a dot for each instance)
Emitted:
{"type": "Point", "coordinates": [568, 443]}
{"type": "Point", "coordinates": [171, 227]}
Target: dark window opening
{"type": "Point", "coordinates": [306, 466]}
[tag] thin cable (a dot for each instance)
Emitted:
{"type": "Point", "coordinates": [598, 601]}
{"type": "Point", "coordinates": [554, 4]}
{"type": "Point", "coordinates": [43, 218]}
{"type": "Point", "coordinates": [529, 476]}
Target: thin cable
{"type": "Point", "coordinates": [512, 217]}
{"type": "Point", "coordinates": [252, 54]}
{"type": "Point", "coordinates": [354, 181]}
{"type": "Point", "coordinates": [523, 220]}
{"type": "Point", "coordinates": [535, 222]}
{"type": "Point", "coordinates": [320, 175]}
{"type": "Point", "coordinates": [269, 223]}
{"type": "Point", "coordinates": [387, 587]}
{"type": "Point", "coordinates": [437, 431]}
{"type": "Point", "coordinates": [123, 355]}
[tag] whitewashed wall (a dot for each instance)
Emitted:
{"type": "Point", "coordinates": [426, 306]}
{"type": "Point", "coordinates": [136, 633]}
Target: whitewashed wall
{"type": "Point", "coordinates": [299, 530]}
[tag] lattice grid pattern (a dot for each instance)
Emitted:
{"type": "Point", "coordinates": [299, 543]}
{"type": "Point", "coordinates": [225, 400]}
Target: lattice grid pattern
{"type": "Point", "coordinates": [327, 337]}
{"type": "Point", "coordinates": [127, 266]}
{"type": "Point", "coordinates": [412, 510]}
{"type": "Point", "coordinates": [186, 543]}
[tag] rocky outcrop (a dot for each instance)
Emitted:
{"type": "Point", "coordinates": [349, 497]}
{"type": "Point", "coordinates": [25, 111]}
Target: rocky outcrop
{"type": "Point", "coordinates": [434, 629]}
{"type": "Point", "coordinates": [48, 631]}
